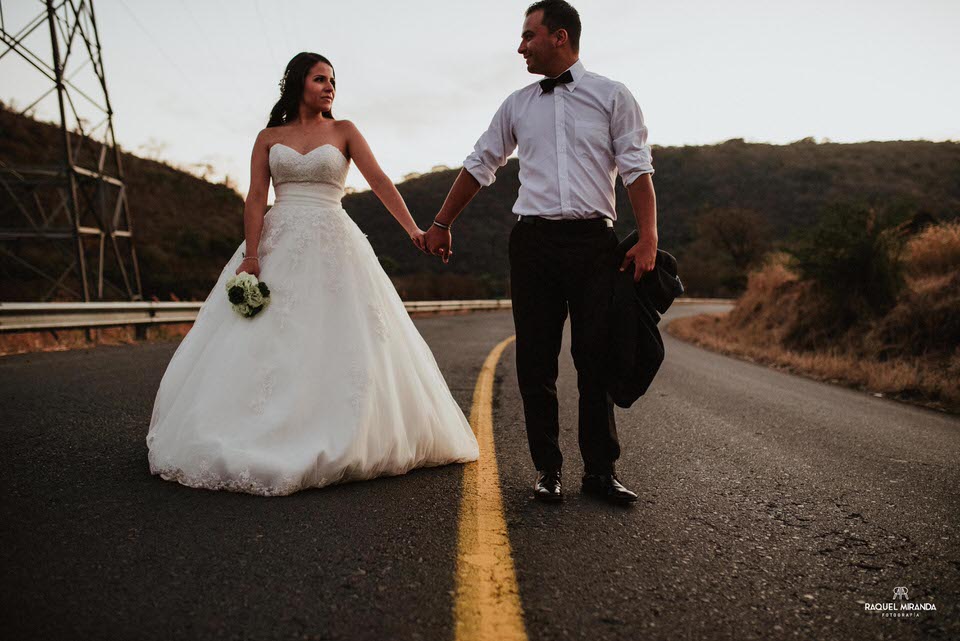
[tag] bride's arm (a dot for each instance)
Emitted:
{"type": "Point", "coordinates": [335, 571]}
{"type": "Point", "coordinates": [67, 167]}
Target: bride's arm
{"type": "Point", "coordinates": [381, 185]}
{"type": "Point", "coordinates": [255, 205]}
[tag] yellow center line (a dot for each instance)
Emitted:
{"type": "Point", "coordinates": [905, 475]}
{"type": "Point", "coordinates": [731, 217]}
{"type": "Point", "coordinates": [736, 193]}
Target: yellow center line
{"type": "Point", "coordinates": [487, 598]}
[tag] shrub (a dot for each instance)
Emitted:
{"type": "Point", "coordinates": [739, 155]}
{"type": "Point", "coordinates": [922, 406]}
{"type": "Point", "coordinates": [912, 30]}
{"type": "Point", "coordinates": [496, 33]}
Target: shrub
{"type": "Point", "coordinates": [934, 251]}
{"type": "Point", "coordinates": [852, 260]}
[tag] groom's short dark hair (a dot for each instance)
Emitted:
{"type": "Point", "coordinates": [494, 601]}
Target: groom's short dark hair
{"type": "Point", "coordinates": [558, 14]}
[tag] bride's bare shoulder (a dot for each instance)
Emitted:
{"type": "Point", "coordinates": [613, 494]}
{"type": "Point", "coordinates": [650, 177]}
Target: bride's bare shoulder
{"type": "Point", "coordinates": [265, 138]}
{"type": "Point", "coordinates": [269, 136]}
{"type": "Point", "coordinates": [347, 129]}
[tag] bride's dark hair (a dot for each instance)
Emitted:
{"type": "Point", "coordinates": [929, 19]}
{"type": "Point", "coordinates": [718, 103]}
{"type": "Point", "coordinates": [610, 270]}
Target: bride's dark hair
{"type": "Point", "coordinates": [287, 108]}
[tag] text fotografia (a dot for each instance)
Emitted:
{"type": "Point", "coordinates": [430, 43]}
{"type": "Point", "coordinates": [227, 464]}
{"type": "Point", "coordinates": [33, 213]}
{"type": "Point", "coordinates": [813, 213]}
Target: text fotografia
{"type": "Point", "coordinates": [901, 607]}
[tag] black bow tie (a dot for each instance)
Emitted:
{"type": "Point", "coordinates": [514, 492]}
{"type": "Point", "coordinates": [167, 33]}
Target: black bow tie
{"type": "Point", "coordinates": [547, 84]}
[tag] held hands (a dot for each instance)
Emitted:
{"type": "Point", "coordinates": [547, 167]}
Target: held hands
{"type": "Point", "coordinates": [438, 242]}
{"type": "Point", "coordinates": [643, 255]}
{"type": "Point", "coordinates": [417, 237]}
{"type": "Point", "coordinates": [441, 245]}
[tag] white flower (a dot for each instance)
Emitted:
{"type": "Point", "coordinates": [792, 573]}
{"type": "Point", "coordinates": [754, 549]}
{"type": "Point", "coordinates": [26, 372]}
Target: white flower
{"type": "Point", "coordinates": [253, 298]}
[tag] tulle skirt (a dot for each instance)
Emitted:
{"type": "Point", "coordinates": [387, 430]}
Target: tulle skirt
{"type": "Point", "coordinates": [332, 382]}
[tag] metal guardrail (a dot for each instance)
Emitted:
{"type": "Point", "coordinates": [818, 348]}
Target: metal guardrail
{"type": "Point", "coordinates": [457, 305]}
{"type": "Point", "coordinates": [25, 317]}
{"type": "Point", "coordinates": [28, 317]}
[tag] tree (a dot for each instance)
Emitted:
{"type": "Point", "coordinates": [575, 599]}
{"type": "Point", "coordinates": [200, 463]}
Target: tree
{"type": "Point", "coordinates": [742, 234]}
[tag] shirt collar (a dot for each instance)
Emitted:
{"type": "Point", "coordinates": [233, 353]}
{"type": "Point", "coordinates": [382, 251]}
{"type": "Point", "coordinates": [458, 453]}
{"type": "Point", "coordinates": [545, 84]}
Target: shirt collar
{"type": "Point", "coordinates": [576, 70]}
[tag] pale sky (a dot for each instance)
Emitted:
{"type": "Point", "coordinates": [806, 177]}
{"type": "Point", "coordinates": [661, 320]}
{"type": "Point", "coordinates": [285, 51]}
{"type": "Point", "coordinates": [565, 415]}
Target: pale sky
{"type": "Point", "coordinates": [422, 78]}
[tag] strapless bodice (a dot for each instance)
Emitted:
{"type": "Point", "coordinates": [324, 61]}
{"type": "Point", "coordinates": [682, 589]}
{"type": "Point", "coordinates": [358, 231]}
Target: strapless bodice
{"type": "Point", "coordinates": [314, 178]}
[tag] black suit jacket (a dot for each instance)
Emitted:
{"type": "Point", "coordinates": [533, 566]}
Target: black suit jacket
{"type": "Point", "coordinates": [634, 346]}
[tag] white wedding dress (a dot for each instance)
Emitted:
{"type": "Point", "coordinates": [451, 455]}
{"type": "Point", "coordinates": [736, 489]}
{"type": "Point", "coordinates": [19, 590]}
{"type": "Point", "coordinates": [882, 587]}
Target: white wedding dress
{"type": "Point", "coordinates": [332, 382]}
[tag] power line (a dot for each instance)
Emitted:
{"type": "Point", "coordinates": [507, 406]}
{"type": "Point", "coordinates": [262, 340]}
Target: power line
{"type": "Point", "coordinates": [156, 43]}
{"type": "Point", "coordinates": [256, 5]}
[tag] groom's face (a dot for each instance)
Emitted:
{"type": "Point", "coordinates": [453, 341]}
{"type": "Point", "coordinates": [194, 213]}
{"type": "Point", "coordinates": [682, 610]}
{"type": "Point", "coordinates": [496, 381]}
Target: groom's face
{"type": "Point", "coordinates": [537, 44]}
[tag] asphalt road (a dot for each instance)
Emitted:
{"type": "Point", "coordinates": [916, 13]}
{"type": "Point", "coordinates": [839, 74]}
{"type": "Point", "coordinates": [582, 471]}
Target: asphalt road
{"type": "Point", "coordinates": [771, 507]}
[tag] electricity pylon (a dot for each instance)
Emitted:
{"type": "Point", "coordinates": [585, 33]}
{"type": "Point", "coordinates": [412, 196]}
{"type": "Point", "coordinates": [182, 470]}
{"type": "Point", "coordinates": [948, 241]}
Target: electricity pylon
{"type": "Point", "coordinates": [81, 201]}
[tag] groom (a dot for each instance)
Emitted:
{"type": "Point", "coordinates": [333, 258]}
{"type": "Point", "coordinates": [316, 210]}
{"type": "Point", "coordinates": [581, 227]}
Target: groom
{"type": "Point", "coordinates": [575, 130]}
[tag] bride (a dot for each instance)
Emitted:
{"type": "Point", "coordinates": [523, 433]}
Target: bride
{"type": "Point", "coordinates": [332, 382]}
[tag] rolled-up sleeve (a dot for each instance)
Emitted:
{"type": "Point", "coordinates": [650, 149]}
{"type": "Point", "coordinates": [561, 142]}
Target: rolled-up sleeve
{"type": "Point", "coordinates": [632, 153]}
{"type": "Point", "coordinates": [494, 146]}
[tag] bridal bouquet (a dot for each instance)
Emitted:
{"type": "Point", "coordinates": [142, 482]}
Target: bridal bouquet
{"type": "Point", "coordinates": [248, 296]}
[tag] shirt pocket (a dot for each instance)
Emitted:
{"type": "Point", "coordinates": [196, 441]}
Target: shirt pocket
{"type": "Point", "coordinates": [592, 138]}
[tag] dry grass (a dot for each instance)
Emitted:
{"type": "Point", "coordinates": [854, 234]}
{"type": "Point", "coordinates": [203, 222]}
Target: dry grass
{"type": "Point", "coordinates": [915, 380]}
{"type": "Point", "coordinates": [935, 250]}
{"type": "Point", "coordinates": [912, 353]}
{"type": "Point", "coordinates": [63, 340]}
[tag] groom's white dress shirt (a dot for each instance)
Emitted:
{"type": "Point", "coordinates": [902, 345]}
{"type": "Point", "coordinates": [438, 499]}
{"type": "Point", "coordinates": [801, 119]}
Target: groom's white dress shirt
{"type": "Point", "coordinates": [572, 142]}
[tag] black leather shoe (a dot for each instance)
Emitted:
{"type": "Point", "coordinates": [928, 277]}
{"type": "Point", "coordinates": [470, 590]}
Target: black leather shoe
{"type": "Point", "coordinates": [607, 486]}
{"type": "Point", "coordinates": [547, 486]}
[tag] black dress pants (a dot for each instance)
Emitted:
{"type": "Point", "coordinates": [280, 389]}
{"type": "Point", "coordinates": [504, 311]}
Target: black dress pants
{"type": "Point", "coordinates": [556, 266]}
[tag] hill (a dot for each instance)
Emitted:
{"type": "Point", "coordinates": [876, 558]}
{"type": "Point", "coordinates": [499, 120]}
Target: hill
{"type": "Point", "coordinates": [785, 187]}
{"type": "Point", "coordinates": [904, 344]}
{"type": "Point", "coordinates": [186, 227]}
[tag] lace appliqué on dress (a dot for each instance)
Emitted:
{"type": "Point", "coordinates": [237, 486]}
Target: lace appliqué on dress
{"type": "Point", "coordinates": [289, 297]}
{"type": "Point", "coordinates": [311, 167]}
{"type": "Point", "coordinates": [266, 379]}
{"type": "Point", "coordinates": [303, 229]}
{"type": "Point", "coordinates": [379, 322]}
{"type": "Point", "coordinates": [359, 382]}
{"type": "Point", "coordinates": [205, 478]}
